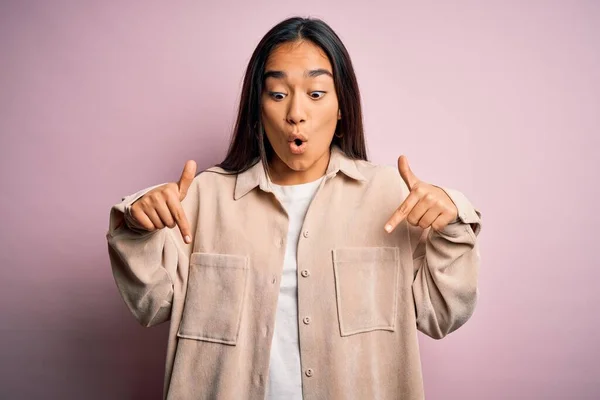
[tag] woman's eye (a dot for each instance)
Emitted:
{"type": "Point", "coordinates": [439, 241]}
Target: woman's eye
{"type": "Point", "coordinates": [277, 95]}
{"type": "Point", "coordinates": [315, 95]}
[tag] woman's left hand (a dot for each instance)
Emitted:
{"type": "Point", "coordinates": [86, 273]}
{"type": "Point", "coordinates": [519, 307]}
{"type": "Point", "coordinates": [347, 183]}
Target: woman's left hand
{"type": "Point", "coordinates": [426, 205]}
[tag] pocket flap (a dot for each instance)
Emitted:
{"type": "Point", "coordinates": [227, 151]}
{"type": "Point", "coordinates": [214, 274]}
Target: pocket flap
{"type": "Point", "coordinates": [365, 254]}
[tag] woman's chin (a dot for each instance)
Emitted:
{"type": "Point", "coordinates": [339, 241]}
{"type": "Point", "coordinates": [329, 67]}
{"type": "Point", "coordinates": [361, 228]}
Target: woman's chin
{"type": "Point", "coordinates": [297, 165]}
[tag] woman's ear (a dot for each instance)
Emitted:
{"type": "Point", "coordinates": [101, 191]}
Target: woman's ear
{"type": "Point", "coordinates": [339, 114]}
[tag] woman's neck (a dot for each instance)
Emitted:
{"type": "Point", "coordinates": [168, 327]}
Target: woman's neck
{"type": "Point", "coordinates": [282, 174]}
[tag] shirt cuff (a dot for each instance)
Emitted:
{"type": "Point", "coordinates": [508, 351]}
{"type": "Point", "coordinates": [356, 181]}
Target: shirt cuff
{"type": "Point", "coordinates": [467, 213]}
{"type": "Point", "coordinates": [124, 207]}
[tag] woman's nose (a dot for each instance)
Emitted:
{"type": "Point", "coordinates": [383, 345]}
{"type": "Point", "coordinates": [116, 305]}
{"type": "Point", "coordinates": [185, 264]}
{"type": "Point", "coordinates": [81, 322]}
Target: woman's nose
{"type": "Point", "coordinates": [296, 112]}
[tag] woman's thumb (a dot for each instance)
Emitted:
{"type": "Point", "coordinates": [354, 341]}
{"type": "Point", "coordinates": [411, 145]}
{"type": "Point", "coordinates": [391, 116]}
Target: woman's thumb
{"type": "Point", "coordinates": [187, 176]}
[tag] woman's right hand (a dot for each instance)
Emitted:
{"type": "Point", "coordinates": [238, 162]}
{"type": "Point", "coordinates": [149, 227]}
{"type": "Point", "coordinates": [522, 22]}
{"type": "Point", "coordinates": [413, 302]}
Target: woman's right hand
{"type": "Point", "coordinates": [161, 206]}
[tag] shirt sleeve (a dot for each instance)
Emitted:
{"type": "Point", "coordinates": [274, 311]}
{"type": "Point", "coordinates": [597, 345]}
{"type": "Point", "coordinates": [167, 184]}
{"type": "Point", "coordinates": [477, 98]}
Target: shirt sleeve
{"type": "Point", "coordinates": [446, 266]}
{"type": "Point", "coordinates": [144, 263]}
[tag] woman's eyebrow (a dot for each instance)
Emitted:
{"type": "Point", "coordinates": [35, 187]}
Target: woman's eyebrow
{"type": "Point", "coordinates": [309, 74]}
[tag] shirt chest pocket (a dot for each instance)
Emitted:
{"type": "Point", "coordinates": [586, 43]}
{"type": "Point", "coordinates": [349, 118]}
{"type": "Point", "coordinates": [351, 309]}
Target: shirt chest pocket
{"type": "Point", "coordinates": [215, 298]}
{"type": "Point", "coordinates": [366, 288]}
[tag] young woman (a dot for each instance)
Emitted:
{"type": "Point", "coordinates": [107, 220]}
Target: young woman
{"type": "Point", "coordinates": [297, 269]}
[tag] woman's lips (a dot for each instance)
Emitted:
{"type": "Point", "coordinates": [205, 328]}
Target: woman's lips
{"type": "Point", "coordinates": [297, 149]}
{"type": "Point", "coordinates": [293, 136]}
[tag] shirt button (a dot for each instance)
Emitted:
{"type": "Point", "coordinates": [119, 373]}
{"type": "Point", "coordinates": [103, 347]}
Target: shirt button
{"type": "Point", "coordinates": [274, 279]}
{"type": "Point", "coordinates": [305, 273]}
{"type": "Point", "coordinates": [306, 320]}
{"type": "Point", "coordinates": [309, 372]}
{"type": "Point", "coordinates": [305, 234]}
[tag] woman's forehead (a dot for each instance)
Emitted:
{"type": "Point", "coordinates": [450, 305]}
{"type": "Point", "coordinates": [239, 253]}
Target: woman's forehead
{"type": "Point", "coordinates": [298, 55]}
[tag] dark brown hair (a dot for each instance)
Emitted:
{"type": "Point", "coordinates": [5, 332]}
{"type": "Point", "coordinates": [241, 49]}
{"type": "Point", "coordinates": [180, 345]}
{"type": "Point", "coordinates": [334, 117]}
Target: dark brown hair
{"type": "Point", "coordinates": [249, 143]}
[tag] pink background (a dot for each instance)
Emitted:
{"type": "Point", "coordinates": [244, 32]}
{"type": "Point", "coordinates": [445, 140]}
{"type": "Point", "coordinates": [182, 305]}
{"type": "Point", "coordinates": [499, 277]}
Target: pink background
{"type": "Point", "coordinates": [500, 100]}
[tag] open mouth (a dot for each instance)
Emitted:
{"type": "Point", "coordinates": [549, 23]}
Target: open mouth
{"type": "Point", "coordinates": [297, 146]}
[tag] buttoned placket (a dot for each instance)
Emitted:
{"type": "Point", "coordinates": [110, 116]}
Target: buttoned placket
{"type": "Point", "coordinates": [306, 299]}
{"type": "Point", "coordinates": [306, 295]}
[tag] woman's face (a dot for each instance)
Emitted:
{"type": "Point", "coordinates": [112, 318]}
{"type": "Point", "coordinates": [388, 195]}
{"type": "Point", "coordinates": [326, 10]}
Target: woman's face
{"type": "Point", "coordinates": [299, 111]}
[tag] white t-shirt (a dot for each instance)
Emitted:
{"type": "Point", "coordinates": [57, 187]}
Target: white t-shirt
{"type": "Point", "coordinates": [285, 379]}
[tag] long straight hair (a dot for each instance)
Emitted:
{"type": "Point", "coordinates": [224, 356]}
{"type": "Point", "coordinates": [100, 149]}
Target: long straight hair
{"type": "Point", "coordinates": [249, 144]}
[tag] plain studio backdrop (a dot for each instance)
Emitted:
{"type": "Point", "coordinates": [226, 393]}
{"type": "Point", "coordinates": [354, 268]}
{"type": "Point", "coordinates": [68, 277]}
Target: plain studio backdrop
{"type": "Point", "coordinates": [498, 99]}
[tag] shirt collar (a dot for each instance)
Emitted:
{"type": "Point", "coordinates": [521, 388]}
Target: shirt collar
{"type": "Point", "coordinates": [256, 175]}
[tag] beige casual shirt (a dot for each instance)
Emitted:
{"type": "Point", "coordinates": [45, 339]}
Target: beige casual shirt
{"type": "Point", "coordinates": [362, 293]}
